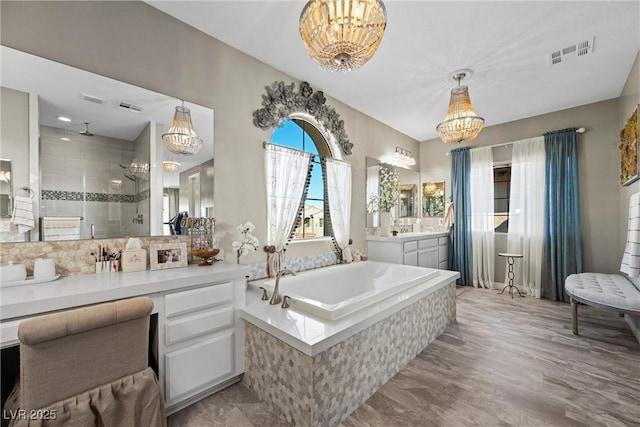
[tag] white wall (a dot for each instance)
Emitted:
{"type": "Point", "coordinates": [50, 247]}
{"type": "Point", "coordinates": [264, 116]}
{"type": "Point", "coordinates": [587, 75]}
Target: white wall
{"type": "Point", "coordinates": [170, 57]}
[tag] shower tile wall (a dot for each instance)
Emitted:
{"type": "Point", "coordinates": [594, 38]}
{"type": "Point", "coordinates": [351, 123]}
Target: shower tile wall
{"type": "Point", "coordinates": [88, 169]}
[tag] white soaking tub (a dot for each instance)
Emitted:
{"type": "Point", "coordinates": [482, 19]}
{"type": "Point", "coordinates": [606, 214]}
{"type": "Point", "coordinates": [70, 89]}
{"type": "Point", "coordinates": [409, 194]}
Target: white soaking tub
{"type": "Point", "coordinates": [334, 292]}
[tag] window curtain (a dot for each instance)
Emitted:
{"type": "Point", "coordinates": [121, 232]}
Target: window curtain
{"type": "Point", "coordinates": [482, 217]}
{"type": "Point", "coordinates": [460, 232]}
{"type": "Point", "coordinates": [563, 231]}
{"type": "Point", "coordinates": [339, 199]}
{"type": "Point", "coordinates": [527, 213]}
{"type": "Point", "coordinates": [286, 176]}
{"type": "Point", "coordinates": [174, 200]}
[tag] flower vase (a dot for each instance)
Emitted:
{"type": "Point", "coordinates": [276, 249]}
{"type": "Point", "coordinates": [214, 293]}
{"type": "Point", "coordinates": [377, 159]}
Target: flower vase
{"type": "Point", "coordinates": [385, 223]}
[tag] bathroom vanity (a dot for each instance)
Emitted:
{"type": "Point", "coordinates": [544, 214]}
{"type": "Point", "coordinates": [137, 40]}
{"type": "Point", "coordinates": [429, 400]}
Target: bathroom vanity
{"type": "Point", "coordinates": [197, 338]}
{"type": "Point", "coordinates": [419, 249]}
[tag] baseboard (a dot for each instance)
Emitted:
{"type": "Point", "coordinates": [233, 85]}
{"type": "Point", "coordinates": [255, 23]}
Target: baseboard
{"type": "Point", "coordinates": [634, 324]}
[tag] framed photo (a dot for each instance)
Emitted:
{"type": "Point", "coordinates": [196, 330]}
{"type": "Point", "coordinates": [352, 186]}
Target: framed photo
{"type": "Point", "coordinates": [629, 169]}
{"type": "Point", "coordinates": [168, 255]}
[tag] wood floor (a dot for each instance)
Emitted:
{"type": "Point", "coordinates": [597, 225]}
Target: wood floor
{"type": "Point", "coordinates": [503, 363]}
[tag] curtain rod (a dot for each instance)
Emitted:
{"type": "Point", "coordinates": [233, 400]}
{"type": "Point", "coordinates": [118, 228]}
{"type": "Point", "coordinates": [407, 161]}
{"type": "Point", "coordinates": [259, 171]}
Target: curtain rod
{"type": "Point", "coordinates": [579, 130]}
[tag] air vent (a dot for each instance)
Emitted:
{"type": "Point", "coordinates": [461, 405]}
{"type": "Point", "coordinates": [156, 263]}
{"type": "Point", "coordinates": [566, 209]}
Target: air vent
{"type": "Point", "coordinates": [130, 107]}
{"type": "Point", "coordinates": [571, 52]}
{"type": "Point", "coordinates": [91, 98]}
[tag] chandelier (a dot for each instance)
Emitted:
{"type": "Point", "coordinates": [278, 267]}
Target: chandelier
{"type": "Point", "coordinates": [342, 35]}
{"type": "Point", "coordinates": [170, 166]}
{"type": "Point", "coordinates": [461, 124]}
{"type": "Point", "coordinates": [181, 138]}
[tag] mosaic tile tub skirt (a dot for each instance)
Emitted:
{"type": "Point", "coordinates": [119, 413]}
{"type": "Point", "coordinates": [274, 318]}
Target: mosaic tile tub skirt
{"type": "Point", "coordinates": [325, 389]}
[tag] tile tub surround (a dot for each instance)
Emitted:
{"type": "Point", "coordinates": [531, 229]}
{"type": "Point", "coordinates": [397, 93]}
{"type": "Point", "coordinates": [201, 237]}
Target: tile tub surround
{"type": "Point", "coordinates": [72, 257]}
{"type": "Point", "coordinates": [324, 389]}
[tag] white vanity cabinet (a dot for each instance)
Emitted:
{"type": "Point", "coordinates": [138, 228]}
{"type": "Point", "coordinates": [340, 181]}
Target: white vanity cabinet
{"type": "Point", "coordinates": [420, 249]}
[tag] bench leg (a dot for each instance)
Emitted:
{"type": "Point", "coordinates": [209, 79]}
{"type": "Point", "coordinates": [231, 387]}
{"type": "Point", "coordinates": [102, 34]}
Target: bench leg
{"type": "Point", "coordinates": [574, 317]}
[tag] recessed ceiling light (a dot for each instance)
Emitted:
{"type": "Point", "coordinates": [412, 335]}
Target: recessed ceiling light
{"type": "Point", "coordinates": [64, 119]}
{"type": "Point", "coordinates": [64, 138]}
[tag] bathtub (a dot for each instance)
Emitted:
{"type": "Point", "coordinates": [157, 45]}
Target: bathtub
{"type": "Point", "coordinates": [337, 291]}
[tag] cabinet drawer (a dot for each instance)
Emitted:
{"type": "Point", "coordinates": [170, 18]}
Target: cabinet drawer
{"type": "Point", "coordinates": [197, 324]}
{"type": "Point", "coordinates": [443, 253]}
{"type": "Point", "coordinates": [427, 243]}
{"type": "Point", "coordinates": [410, 246]}
{"type": "Point", "coordinates": [443, 240]}
{"type": "Point", "coordinates": [199, 366]}
{"type": "Point", "coordinates": [195, 299]}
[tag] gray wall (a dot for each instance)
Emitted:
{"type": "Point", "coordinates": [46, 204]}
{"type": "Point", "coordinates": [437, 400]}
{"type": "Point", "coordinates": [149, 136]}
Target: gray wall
{"type": "Point", "coordinates": [170, 57]}
{"type": "Point", "coordinates": [598, 173]}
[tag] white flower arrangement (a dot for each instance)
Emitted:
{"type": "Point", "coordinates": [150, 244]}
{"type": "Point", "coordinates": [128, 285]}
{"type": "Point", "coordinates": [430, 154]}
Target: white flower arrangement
{"type": "Point", "coordinates": [389, 190]}
{"type": "Point", "coordinates": [248, 243]}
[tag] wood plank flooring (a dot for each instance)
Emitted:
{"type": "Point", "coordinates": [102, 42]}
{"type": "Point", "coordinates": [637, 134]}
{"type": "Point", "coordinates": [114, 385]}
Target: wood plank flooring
{"type": "Point", "coordinates": [505, 362]}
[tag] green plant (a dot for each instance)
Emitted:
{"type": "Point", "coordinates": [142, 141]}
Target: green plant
{"type": "Point", "coordinates": [389, 188]}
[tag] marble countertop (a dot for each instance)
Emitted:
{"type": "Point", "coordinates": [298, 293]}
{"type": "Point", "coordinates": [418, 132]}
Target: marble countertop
{"type": "Point", "coordinates": [74, 291]}
{"type": "Point", "coordinates": [406, 237]}
{"type": "Point", "coordinates": [312, 335]}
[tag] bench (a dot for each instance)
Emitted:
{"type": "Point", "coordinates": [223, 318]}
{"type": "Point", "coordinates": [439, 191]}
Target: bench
{"type": "Point", "coordinates": [606, 291]}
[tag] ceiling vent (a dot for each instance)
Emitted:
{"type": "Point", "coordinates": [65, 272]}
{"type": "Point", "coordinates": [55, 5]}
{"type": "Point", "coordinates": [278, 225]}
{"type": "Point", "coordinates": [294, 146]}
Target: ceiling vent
{"type": "Point", "coordinates": [570, 52]}
{"type": "Point", "coordinates": [91, 98]}
{"type": "Point", "coordinates": [130, 107]}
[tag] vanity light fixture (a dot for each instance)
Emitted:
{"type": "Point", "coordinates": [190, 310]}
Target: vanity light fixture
{"type": "Point", "coordinates": [181, 138]}
{"type": "Point", "coordinates": [403, 157]}
{"type": "Point", "coordinates": [170, 166]}
{"type": "Point", "coordinates": [461, 124]}
{"type": "Point", "coordinates": [342, 35]}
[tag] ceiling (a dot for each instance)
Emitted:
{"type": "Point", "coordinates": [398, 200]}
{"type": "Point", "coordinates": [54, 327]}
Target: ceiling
{"type": "Point", "coordinates": [407, 83]}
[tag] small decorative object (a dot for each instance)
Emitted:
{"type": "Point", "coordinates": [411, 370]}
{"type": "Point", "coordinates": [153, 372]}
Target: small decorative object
{"type": "Point", "coordinates": [629, 150]}
{"type": "Point", "coordinates": [247, 243]}
{"type": "Point", "coordinates": [206, 255]}
{"type": "Point", "coordinates": [168, 255]}
{"type": "Point", "coordinates": [388, 197]}
{"type": "Point", "coordinates": [134, 258]}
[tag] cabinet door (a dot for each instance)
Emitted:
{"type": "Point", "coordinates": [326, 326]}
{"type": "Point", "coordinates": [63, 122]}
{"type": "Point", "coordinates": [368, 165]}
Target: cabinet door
{"type": "Point", "coordinates": [410, 258]}
{"type": "Point", "coordinates": [428, 257]}
{"type": "Point", "coordinates": [194, 368]}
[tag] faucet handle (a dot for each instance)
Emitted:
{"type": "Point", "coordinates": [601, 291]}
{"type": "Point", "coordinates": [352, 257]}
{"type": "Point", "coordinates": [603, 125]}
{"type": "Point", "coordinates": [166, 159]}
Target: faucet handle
{"type": "Point", "coordinates": [265, 295]}
{"type": "Point", "coordinates": [285, 301]}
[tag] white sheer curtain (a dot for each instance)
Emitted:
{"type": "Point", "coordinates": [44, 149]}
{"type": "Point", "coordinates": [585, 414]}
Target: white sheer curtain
{"type": "Point", "coordinates": [286, 174]}
{"type": "Point", "coordinates": [526, 212]}
{"type": "Point", "coordinates": [482, 218]}
{"type": "Point", "coordinates": [339, 197]}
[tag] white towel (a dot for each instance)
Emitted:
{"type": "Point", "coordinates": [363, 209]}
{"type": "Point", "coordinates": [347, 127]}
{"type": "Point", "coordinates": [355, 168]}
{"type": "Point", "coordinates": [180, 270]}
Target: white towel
{"type": "Point", "coordinates": [631, 258]}
{"type": "Point", "coordinates": [23, 213]}
{"type": "Point", "coordinates": [61, 228]}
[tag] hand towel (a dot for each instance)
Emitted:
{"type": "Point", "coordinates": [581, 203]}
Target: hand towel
{"type": "Point", "coordinates": [61, 228]}
{"type": "Point", "coordinates": [631, 258]}
{"type": "Point", "coordinates": [23, 213]}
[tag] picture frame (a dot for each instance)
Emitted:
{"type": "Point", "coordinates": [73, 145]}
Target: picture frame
{"type": "Point", "coordinates": [168, 255]}
{"type": "Point", "coordinates": [629, 166]}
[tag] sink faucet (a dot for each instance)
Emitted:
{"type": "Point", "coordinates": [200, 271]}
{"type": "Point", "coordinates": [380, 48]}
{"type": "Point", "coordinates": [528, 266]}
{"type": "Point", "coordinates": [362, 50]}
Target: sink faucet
{"type": "Point", "coordinates": [275, 298]}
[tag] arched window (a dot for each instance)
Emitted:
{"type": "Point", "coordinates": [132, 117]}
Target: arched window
{"type": "Point", "coordinates": [303, 136]}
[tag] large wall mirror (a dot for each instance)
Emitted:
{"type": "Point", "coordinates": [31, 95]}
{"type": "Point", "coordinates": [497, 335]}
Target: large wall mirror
{"type": "Point", "coordinates": [433, 199]}
{"type": "Point", "coordinates": [97, 152]}
{"type": "Point", "coordinates": [408, 203]}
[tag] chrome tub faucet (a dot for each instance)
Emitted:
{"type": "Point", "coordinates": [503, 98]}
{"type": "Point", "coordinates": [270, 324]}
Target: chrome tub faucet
{"type": "Point", "coordinates": [275, 298]}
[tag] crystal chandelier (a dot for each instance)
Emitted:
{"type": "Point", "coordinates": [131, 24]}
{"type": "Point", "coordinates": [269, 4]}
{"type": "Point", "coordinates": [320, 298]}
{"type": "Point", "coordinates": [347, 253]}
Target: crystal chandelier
{"type": "Point", "coordinates": [461, 124]}
{"type": "Point", "coordinates": [342, 35]}
{"type": "Point", "coordinates": [181, 138]}
{"type": "Point", "coordinates": [170, 166]}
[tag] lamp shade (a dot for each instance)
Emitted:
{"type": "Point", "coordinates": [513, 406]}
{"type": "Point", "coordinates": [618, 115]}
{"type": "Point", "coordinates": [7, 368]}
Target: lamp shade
{"type": "Point", "coordinates": [461, 124]}
{"type": "Point", "coordinates": [181, 138]}
{"type": "Point", "coordinates": [341, 35]}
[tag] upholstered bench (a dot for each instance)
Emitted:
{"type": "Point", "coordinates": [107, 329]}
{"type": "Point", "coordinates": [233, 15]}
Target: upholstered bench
{"type": "Point", "coordinates": [606, 291]}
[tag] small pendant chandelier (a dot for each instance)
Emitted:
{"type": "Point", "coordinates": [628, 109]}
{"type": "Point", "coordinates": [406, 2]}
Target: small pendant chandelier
{"type": "Point", "coordinates": [461, 124]}
{"type": "Point", "coordinates": [181, 138]}
{"type": "Point", "coordinates": [170, 166]}
{"type": "Point", "coordinates": [342, 35]}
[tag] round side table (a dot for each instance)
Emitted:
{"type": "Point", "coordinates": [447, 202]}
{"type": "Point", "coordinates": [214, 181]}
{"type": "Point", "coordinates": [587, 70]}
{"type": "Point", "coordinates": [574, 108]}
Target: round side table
{"type": "Point", "coordinates": [510, 260]}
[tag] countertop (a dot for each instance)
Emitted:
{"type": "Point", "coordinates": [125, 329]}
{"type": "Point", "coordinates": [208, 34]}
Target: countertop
{"type": "Point", "coordinates": [406, 237]}
{"type": "Point", "coordinates": [312, 335]}
{"type": "Point", "coordinates": [75, 291]}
